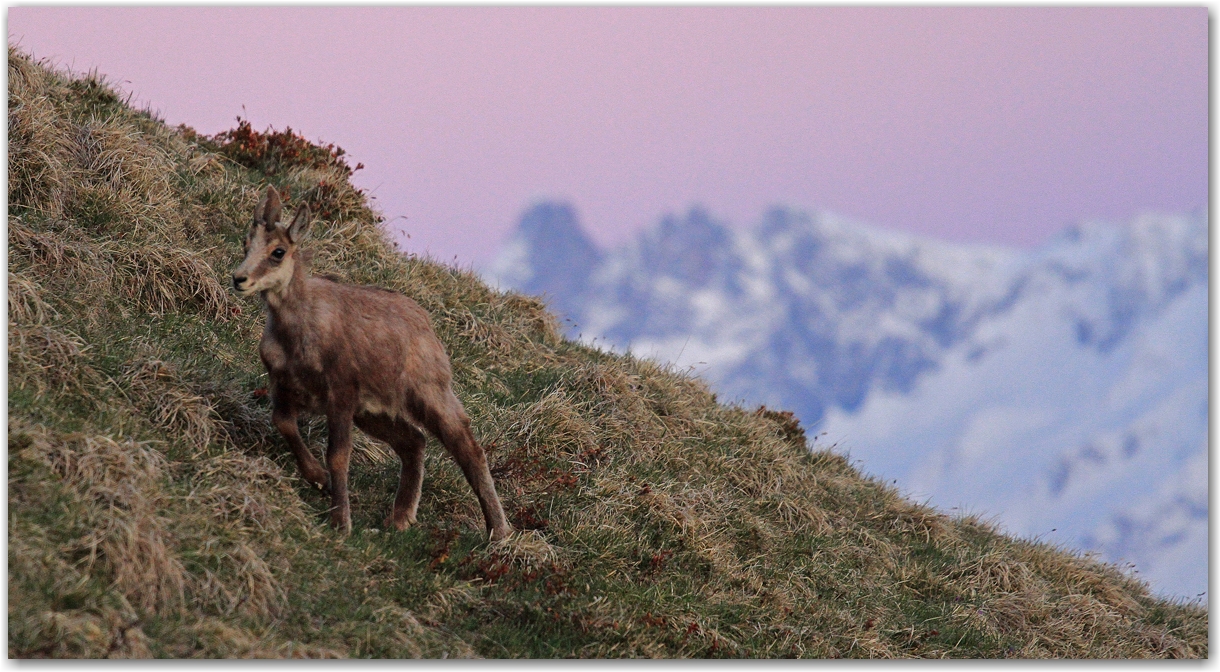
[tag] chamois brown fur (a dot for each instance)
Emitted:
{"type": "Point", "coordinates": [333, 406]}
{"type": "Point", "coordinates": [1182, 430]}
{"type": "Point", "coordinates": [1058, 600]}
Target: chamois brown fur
{"type": "Point", "coordinates": [357, 355]}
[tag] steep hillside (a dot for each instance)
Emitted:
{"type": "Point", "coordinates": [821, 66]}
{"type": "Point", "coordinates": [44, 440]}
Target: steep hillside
{"type": "Point", "coordinates": [153, 511]}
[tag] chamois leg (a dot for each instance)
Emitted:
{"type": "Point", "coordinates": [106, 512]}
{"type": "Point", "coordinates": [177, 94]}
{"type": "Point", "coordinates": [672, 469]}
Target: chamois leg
{"type": "Point", "coordinates": [408, 442]}
{"type": "Point", "coordinates": [338, 457]}
{"type": "Point", "coordinates": [451, 425]}
{"type": "Point", "coordinates": [285, 420]}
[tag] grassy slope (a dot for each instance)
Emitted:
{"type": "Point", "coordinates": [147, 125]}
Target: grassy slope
{"type": "Point", "coordinates": [153, 510]}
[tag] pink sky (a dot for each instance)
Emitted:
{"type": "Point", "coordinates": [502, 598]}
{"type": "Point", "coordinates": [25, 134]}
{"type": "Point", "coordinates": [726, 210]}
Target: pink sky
{"type": "Point", "coordinates": [980, 124]}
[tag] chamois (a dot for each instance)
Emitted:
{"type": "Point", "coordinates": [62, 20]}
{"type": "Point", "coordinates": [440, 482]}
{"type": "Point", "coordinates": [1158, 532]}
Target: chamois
{"type": "Point", "coordinates": [362, 355]}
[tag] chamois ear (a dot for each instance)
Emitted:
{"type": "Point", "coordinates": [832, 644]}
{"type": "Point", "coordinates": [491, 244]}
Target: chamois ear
{"type": "Point", "coordinates": [299, 229]}
{"type": "Point", "coordinates": [259, 210]}
{"type": "Point", "coordinates": [267, 212]}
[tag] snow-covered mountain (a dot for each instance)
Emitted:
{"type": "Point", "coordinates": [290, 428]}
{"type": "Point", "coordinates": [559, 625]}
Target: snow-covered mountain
{"type": "Point", "coordinates": [1062, 390]}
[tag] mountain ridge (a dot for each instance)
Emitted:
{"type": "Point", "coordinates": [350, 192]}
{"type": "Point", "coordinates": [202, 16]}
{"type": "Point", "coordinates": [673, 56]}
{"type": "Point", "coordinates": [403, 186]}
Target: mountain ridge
{"type": "Point", "coordinates": [827, 317]}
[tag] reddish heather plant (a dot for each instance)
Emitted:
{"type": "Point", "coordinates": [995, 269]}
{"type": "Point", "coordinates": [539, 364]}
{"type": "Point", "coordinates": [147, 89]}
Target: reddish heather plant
{"type": "Point", "coordinates": [271, 151]}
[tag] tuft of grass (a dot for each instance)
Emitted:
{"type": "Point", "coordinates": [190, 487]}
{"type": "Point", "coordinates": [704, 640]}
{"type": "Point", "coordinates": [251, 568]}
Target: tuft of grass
{"type": "Point", "coordinates": [153, 510]}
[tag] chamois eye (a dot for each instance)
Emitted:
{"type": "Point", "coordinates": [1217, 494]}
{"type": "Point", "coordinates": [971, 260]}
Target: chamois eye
{"type": "Point", "coordinates": [278, 253]}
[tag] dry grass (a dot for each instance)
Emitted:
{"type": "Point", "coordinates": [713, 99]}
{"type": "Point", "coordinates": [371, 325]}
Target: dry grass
{"type": "Point", "coordinates": [44, 357]}
{"type": "Point", "coordinates": [127, 531]}
{"type": "Point", "coordinates": [38, 138]}
{"type": "Point", "coordinates": [154, 512]}
{"type": "Point", "coordinates": [212, 550]}
{"type": "Point", "coordinates": [25, 302]}
{"type": "Point", "coordinates": [110, 487]}
{"type": "Point", "coordinates": [156, 388]}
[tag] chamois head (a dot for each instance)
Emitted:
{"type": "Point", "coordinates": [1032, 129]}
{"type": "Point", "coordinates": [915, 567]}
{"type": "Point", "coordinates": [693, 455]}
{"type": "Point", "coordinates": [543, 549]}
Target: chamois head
{"type": "Point", "coordinates": [271, 247]}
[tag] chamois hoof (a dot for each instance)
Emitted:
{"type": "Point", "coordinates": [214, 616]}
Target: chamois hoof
{"type": "Point", "coordinates": [501, 533]}
{"type": "Point", "coordinates": [390, 523]}
{"type": "Point", "coordinates": [341, 525]}
{"type": "Point", "coordinates": [320, 482]}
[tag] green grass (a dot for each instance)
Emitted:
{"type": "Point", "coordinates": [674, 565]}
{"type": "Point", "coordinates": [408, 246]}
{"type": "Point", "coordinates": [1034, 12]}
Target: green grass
{"type": "Point", "coordinates": [154, 511]}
